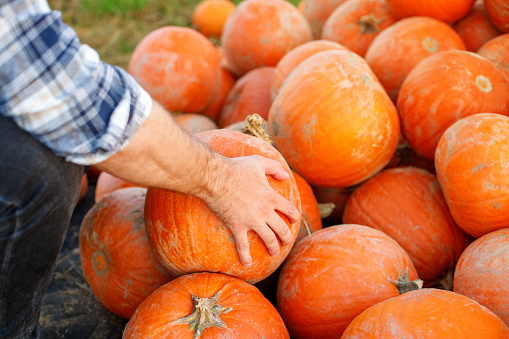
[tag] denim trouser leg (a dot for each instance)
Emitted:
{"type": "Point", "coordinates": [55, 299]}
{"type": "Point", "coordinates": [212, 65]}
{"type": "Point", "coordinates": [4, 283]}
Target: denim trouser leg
{"type": "Point", "coordinates": [38, 193]}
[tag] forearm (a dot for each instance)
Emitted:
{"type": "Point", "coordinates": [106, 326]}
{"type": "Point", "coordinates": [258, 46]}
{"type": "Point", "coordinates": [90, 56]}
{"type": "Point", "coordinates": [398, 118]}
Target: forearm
{"type": "Point", "coordinates": [161, 154]}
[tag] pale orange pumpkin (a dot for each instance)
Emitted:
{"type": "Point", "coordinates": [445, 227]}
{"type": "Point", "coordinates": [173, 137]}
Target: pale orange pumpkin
{"type": "Point", "coordinates": [107, 183]}
{"type": "Point", "coordinates": [332, 120]}
{"type": "Point", "coordinates": [260, 32]}
{"type": "Point", "coordinates": [194, 123]}
{"type": "Point", "coordinates": [472, 172]}
{"type": "Point", "coordinates": [355, 24]}
{"type": "Point", "coordinates": [316, 13]}
{"type": "Point", "coordinates": [209, 16]}
{"type": "Point", "coordinates": [444, 88]}
{"type": "Point", "coordinates": [400, 47]}
{"type": "Point", "coordinates": [496, 50]}
{"type": "Point", "coordinates": [447, 11]}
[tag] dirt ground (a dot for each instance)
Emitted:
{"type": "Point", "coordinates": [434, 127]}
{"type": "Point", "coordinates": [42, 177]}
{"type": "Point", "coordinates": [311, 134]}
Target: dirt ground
{"type": "Point", "coordinates": [70, 309]}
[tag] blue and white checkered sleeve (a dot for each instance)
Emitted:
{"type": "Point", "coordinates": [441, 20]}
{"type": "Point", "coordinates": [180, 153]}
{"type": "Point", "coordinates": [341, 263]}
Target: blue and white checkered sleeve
{"type": "Point", "coordinates": [60, 92]}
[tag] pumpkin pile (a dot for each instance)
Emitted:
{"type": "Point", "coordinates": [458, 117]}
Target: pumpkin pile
{"type": "Point", "coordinates": [394, 114]}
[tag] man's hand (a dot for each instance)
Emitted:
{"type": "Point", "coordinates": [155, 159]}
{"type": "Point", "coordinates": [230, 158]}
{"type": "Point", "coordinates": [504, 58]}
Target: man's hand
{"type": "Point", "coordinates": [244, 200]}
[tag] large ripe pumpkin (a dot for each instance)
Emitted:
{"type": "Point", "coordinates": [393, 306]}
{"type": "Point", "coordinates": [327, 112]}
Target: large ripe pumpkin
{"type": "Point", "coordinates": [475, 28]}
{"type": "Point", "coordinates": [332, 120]}
{"type": "Point", "coordinates": [482, 273]}
{"type": "Point", "coordinates": [444, 88]}
{"type": "Point", "coordinates": [407, 204]}
{"type": "Point", "coordinates": [427, 314]}
{"type": "Point", "coordinates": [260, 32]}
{"type": "Point", "coordinates": [250, 94]}
{"type": "Point", "coordinates": [118, 262]}
{"type": "Point", "coordinates": [447, 11]}
{"type": "Point", "coordinates": [179, 67]}
{"type": "Point", "coordinates": [206, 306]}
{"type": "Point", "coordinates": [334, 274]}
{"type": "Point", "coordinates": [293, 59]}
{"type": "Point", "coordinates": [188, 237]}
{"type": "Point", "coordinates": [472, 171]}
{"type": "Point", "coordinates": [316, 13]}
{"type": "Point", "coordinates": [496, 50]}
{"type": "Point", "coordinates": [311, 220]}
{"type": "Point", "coordinates": [355, 24]}
{"type": "Point", "coordinates": [400, 47]}
{"type": "Point", "coordinates": [107, 183]}
{"type": "Point", "coordinates": [498, 12]}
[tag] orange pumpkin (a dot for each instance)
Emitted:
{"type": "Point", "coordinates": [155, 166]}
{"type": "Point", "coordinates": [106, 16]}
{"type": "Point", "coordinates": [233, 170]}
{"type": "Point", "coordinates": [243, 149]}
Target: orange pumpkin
{"type": "Point", "coordinates": [496, 50]}
{"type": "Point", "coordinates": [194, 123]}
{"type": "Point", "coordinates": [316, 13]}
{"type": "Point", "coordinates": [332, 120]}
{"type": "Point", "coordinates": [260, 32]}
{"type": "Point", "coordinates": [444, 88]}
{"type": "Point", "coordinates": [250, 94]}
{"type": "Point", "coordinates": [400, 47]}
{"type": "Point", "coordinates": [472, 172]}
{"type": "Point", "coordinates": [179, 67]}
{"type": "Point", "coordinates": [107, 183]}
{"type": "Point", "coordinates": [188, 237]}
{"type": "Point", "coordinates": [482, 271]}
{"type": "Point", "coordinates": [475, 28]}
{"type": "Point", "coordinates": [334, 274]}
{"type": "Point", "coordinates": [355, 24]}
{"type": "Point", "coordinates": [427, 314]}
{"type": "Point", "coordinates": [206, 306]}
{"type": "Point", "coordinates": [214, 107]}
{"type": "Point", "coordinates": [209, 16]}
{"type": "Point", "coordinates": [407, 204]}
{"type": "Point", "coordinates": [447, 11]}
{"type": "Point", "coordinates": [294, 57]}
{"type": "Point", "coordinates": [117, 260]}
{"type": "Point", "coordinates": [498, 12]}
{"type": "Point", "coordinates": [311, 220]}
{"type": "Point", "coordinates": [83, 188]}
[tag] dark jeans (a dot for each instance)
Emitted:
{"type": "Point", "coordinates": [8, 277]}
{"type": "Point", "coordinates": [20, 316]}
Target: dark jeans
{"type": "Point", "coordinates": [38, 193]}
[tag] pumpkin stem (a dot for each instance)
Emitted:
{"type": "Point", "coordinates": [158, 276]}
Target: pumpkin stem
{"type": "Point", "coordinates": [253, 126]}
{"type": "Point", "coordinates": [306, 222]}
{"type": "Point", "coordinates": [206, 312]}
{"type": "Point", "coordinates": [370, 23]}
{"type": "Point", "coordinates": [326, 209]}
{"type": "Point", "coordinates": [404, 285]}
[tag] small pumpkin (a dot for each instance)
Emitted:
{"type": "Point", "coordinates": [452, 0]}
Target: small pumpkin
{"type": "Point", "coordinates": [118, 262]}
{"type": "Point", "coordinates": [472, 172]}
{"type": "Point", "coordinates": [188, 237]}
{"type": "Point", "coordinates": [355, 24]}
{"type": "Point", "coordinates": [498, 13]}
{"type": "Point", "coordinates": [194, 123]}
{"type": "Point", "coordinates": [427, 314]}
{"type": "Point", "coordinates": [316, 13]}
{"type": "Point", "coordinates": [206, 306]}
{"type": "Point", "coordinates": [334, 274]}
{"type": "Point", "coordinates": [482, 271]}
{"type": "Point", "coordinates": [209, 16]}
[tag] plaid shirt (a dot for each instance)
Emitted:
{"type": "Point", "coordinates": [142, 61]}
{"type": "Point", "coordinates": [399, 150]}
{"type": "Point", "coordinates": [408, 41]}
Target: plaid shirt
{"type": "Point", "coordinates": [59, 91]}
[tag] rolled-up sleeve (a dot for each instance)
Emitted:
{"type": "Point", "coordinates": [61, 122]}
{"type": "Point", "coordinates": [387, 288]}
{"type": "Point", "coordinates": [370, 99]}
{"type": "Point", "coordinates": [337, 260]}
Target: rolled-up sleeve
{"type": "Point", "coordinates": [59, 90]}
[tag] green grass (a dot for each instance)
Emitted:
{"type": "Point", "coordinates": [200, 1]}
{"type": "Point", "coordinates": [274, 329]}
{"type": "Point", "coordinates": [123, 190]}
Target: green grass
{"type": "Point", "coordinates": [115, 27]}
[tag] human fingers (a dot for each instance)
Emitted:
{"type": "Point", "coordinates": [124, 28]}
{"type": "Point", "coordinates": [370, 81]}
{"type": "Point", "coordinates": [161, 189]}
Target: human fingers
{"type": "Point", "coordinates": [242, 243]}
{"type": "Point", "coordinates": [286, 207]}
{"type": "Point", "coordinates": [275, 169]}
{"type": "Point", "coordinates": [281, 229]}
{"type": "Point", "coordinates": [269, 238]}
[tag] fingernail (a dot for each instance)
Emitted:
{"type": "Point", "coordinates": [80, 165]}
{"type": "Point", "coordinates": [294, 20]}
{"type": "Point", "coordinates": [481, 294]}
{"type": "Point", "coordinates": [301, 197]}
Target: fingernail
{"type": "Point", "coordinates": [248, 264]}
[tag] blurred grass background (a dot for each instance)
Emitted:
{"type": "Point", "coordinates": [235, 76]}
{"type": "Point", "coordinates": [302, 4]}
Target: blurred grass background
{"type": "Point", "coordinates": [114, 27]}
